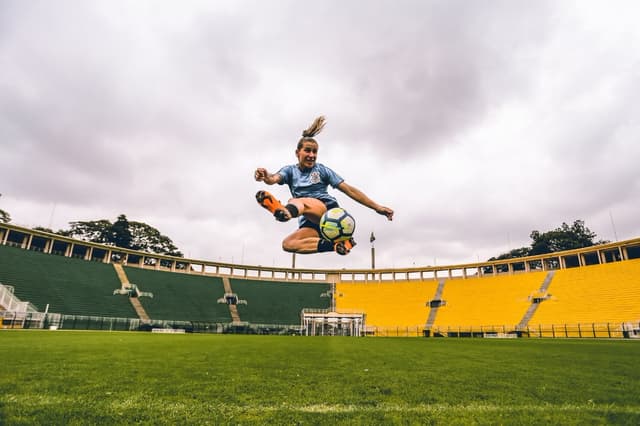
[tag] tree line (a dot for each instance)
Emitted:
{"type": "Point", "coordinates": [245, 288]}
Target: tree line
{"type": "Point", "coordinates": [121, 233]}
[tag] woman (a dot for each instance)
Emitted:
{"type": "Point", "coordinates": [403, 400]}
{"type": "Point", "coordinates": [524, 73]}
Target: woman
{"type": "Point", "coordinates": [308, 182]}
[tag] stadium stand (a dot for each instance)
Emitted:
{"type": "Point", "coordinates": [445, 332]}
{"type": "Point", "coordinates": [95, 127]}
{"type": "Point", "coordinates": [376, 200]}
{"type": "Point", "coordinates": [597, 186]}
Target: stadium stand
{"type": "Point", "coordinates": [180, 296]}
{"type": "Point", "coordinates": [491, 301]}
{"type": "Point", "coordinates": [563, 294]}
{"type": "Point", "coordinates": [69, 286]}
{"type": "Point", "coordinates": [401, 304]}
{"type": "Point", "coordinates": [607, 293]}
{"type": "Point", "coordinates": [275, 302]}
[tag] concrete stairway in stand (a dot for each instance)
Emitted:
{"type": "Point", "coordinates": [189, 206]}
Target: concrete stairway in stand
{"type": "Point", "coordinates": [233, 309]}
{"type": "Point", "coordinates": [135, 302]}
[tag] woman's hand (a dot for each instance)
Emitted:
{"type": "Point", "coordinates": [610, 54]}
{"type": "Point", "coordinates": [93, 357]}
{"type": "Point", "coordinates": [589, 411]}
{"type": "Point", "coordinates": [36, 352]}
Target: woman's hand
{"type": "Point", "coordinates": [261, 174]}
{"type": "Point", "coordinates": [385, 211]}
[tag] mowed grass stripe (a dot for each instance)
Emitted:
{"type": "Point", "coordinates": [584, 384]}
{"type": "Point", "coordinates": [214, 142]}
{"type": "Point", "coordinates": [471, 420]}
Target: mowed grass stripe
{"type": "Point", "coordinates": [57, 411]}
{"type": "Point", "coordinates": [41, 401]}
{"type": "Point", "coordinates": [141, 410]}
{"type": "Point", "coordinates": [103, 377]}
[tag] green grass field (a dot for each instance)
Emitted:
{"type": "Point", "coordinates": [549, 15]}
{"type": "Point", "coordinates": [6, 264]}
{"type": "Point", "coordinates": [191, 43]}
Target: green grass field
{"type": "Point", "coordinates": [62, 377]}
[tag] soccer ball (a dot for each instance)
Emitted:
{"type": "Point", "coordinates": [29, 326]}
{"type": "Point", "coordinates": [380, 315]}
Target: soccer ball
{"type": "Point", "coordinates": [337, 225]}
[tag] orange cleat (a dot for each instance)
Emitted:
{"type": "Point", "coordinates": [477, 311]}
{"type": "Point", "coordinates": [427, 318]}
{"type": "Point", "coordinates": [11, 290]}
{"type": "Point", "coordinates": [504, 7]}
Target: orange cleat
{"type": "Point", "coordinates": [344, 247]}
{"type": "Point", "coordinates": [272, 204]}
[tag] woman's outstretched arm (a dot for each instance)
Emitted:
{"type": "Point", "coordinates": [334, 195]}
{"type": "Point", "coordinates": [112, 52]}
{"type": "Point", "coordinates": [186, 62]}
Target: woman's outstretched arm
{"type": "Point", "coordinates": [363, 199]}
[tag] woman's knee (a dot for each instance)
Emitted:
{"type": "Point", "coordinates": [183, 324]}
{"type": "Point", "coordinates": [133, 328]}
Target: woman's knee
{"type": "Point", "coordinates": [311, 208]}
{"type": "Point", "coordinates": [289, 244]}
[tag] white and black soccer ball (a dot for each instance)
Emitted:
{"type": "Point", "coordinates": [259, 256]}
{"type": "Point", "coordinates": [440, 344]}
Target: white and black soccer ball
{"type": "Point", "coordinates": [337, 225]}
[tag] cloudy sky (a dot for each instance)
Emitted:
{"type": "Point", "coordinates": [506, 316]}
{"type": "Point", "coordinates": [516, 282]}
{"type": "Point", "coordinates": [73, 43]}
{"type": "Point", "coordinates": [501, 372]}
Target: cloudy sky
{"type": "Point", "coordinates": [477, 122]}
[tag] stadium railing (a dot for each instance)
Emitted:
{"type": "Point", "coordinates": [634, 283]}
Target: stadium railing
{"type": "Point", "coordinates": [52, 321]}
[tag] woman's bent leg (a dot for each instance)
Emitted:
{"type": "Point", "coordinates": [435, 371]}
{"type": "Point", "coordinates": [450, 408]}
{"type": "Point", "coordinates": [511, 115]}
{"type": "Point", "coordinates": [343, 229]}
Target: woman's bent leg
{"type": "Point", "coordinates": [307, 239]}
{"type": "Point", "coordinates": [303, 240]}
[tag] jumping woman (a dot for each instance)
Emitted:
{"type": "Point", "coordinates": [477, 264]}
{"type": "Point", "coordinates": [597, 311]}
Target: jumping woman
{"type": "Point", "coordinates": [308, 182]}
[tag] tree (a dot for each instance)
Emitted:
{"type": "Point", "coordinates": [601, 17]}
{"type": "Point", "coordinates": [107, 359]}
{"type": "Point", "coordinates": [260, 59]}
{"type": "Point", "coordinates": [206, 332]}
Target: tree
{"type": "Point", "coordinates": [149, 239]}
{"type": "Point", "coordinates": [96, 231]}
{"type": "Point", "coordinates": [122, 233]}
{"type": "Point", "coordinates": [4, 216]}
{"type": "Point", "coordinates": [564, 238]}
{"type": "Point", "coordinates": [519, 252]}
{"type": "Point", "coordinates": [42, 228]}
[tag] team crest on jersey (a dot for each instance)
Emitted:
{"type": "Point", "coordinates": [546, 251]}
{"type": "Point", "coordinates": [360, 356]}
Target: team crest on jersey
{"type": "Point", "coordinates": [315, 177]}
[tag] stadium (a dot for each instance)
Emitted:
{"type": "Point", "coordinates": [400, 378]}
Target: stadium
{"type": "Point", "coordinates": [549, 310]}
{"type": "Point", "coordinates": [454, 131]}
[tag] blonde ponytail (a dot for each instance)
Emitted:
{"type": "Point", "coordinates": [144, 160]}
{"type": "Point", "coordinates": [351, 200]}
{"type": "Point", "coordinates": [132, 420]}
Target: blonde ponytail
{"type": "Point", "coordinates": [315, 128]}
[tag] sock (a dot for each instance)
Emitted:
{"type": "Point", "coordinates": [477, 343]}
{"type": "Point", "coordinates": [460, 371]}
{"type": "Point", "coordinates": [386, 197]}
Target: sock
{"type": "Point", "coordinates": [292, 209]}
{"type": "Point", "coordinates": [324, 246]}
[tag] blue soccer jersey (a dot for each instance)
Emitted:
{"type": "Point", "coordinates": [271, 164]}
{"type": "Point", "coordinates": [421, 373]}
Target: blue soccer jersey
{"type": "Point", "coordinates": [311, 182]}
